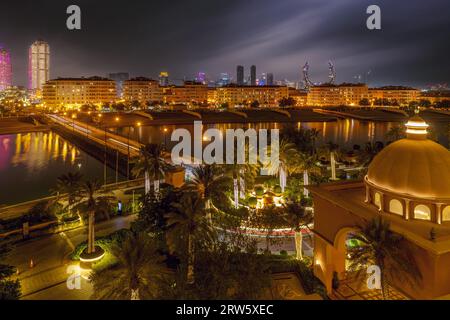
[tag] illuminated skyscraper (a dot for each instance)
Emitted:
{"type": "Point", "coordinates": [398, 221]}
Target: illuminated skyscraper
{"type": "Point", "coordinates": [253, 75]}
{"type": "Point", "coordinates": [5, 69]}
{"type": "Point", "coordinates": [201, 77]}
{"type": "Point", "coordinates": [38, 65]}
{"type": "Point", "coordinates": [240, 75]}
{"type": "Point", "coordinates": [163, 79]}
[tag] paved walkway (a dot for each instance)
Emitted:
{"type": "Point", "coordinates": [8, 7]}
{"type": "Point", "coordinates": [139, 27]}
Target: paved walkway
{"type": "Point", "coordinates": [352, 288]}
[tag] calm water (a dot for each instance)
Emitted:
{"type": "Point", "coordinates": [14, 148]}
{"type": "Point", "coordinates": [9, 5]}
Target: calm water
{"type": "Point", "coordinates": [345, 133]}
{"type": "Point", "coordinates": [30, 164]}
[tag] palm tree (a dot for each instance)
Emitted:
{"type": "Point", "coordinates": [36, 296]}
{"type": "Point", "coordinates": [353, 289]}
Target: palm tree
{"type": "Point", "coordinates": [288, 156]}
{"type": "Point", "coordinates": [313, 135]}
{"type": "Point", "coordinates": [395, 133]}
{"type": "Point", "coordinates": [187, 228]}
{"type": "Point", "coordinates": [308, 164]}
{"type": "Point", "coordinates": [332, 148]}
{"type": "Point", "coordinates": [210, 182]}
{"type": "Point", "coordinates": [380, 246]}
{"type": "Point", "coordinates": [241, 175]}
{"type": "Point", "coordinates": [298, 217]}
{"type": "Point", "coordinates": [370, 151]}
{"type": "Point", "coordinates": [69, 184]}
{"type": "Point", "coordinates": [151, 165]}
{"type": "Point", "coordinates": [94, 201]}
{"type": "Point", "coordinates": [137, 272]}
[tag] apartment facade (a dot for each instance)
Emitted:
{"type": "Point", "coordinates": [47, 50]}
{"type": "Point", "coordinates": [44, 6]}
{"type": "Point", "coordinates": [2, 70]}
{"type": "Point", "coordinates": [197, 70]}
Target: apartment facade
{"type": "Point", "coordinates": [75, 92]}
{"type": "Point", "coordinates": [268, 96]}
{"type": "Point", "coordinates": [347, 94]}
{"type": "Point", "coordinates": [142, 90]}
{"type": "Point", "coordinates": [189, 93]}
{"type": "Point", "coordinates": [399, 94]}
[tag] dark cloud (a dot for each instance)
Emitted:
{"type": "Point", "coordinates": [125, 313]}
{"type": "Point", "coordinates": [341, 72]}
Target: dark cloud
{"type": "Point", "coordinates": [183, 37]}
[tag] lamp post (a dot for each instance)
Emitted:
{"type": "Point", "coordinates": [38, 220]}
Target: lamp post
{"type": "Point", "coordinates": [165, 140]}
{"type": "Point", "coordinates": [117, 158]}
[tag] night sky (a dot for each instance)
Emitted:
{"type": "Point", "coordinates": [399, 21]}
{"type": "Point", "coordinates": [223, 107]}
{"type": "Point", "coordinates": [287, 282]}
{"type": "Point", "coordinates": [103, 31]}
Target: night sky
{"type": "Point", "coordinates": [183, 37]}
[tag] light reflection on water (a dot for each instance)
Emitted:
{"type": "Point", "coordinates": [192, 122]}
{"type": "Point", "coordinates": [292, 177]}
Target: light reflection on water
{"type": "Point", "coordinates": [30, 164]}
{"type": "Point", "coordinates": [345, 133]}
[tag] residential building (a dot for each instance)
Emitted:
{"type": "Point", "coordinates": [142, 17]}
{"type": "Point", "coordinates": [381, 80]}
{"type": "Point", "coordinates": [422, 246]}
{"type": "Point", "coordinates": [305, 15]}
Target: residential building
{"type": "Point", "coordinates": [347, 94]}
{"type": "Point", "coordinates": [243, 95]}
{"type": "Point", "coordinates": [189, 93]}
{"type": "Point", "coordinates": [75, 92]}
{"type": "Point", "coordinates": [142, 90]}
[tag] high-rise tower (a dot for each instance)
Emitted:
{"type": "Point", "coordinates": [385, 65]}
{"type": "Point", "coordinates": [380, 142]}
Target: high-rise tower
{"type": "Point", "coordinates": [253, 75]}
{"type": "Point", "coordinates": [38, 65]}
{"type": "Point", "coordinates": [240, 75]}
{"type": "Point", "coordinates": [5, 69]}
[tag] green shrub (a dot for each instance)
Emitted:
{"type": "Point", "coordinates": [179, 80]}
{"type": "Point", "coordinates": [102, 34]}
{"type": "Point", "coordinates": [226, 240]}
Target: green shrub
{"type": "Point", "coordinates": [259, 191]}
{"type": "Point", "coordinates": [252, 201]}
{"type": "Point", "coordinates": [277, 189]}
{"type": "Point", "coordinates": [103, 242]}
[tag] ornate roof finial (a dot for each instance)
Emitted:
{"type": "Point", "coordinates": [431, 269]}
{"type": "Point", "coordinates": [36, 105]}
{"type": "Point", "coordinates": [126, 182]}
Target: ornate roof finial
{"type": "Point", "coordinates": [416, 127]}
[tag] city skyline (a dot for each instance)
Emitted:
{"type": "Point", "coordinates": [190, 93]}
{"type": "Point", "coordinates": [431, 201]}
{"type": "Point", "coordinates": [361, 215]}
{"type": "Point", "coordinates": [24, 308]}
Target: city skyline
{"type": "Point", "coordinates": [280, 43]}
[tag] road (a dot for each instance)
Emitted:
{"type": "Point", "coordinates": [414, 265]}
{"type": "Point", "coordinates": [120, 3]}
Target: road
{"type": "Point", "coordinates": [47, 279]}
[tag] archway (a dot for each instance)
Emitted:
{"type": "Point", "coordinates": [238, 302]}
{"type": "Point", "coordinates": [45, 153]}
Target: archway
{"type": "Point", "coordinates": [342, 241]}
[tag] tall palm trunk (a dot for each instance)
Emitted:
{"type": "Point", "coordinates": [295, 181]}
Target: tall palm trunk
{"type": "Point", "coordinates": [283, 178]}
{"type": "Point", "coordinates": [147, 182]}
{"type": "Point", "coordinates": [156, 186]}
{"type": "Point", "coordinates": [299, 244]}
{"type": "Point", "coordinates": [236, 193]}
{"type": "Point", "coordinates": [91, 232]}
{"type": "Point", "coordinates": [305, 183]}
{"type": "Point", "coordinates": [333, 166]}
{"type": "Point", "coordinates": [242, 187]}
{"type": "Point", "coordinates": [190, 267]}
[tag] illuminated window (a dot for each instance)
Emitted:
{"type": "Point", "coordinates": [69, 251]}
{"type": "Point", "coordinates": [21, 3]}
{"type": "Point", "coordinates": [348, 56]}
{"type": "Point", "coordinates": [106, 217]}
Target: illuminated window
{"type": "Point", "coordinates": [395, 206]}
{"type": "Point", "coordinates": [377, 200]}
{"type": "Point", "coordinates": [446, 214]}
{"type": "Point", "coordinates": [422, 212]}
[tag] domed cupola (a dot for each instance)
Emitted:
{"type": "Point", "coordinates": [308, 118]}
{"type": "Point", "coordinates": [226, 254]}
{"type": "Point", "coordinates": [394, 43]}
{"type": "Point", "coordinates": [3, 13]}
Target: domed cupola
{"type": "Point", "coordinates": [411, 177]}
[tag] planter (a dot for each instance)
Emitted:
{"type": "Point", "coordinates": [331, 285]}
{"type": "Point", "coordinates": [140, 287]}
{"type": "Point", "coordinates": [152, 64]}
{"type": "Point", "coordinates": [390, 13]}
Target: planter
{"type": "Point", "coordinates": [88, 259]}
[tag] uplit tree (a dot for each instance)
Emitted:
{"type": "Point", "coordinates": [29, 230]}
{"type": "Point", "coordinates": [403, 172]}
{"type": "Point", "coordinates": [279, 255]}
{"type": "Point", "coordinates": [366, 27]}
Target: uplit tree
{"type": "Point", "coordinates": [136, 275]}
{"type": "Point", "coordinates": [150, 164]}
{"type": "Point", "coordinates": [95, 201]}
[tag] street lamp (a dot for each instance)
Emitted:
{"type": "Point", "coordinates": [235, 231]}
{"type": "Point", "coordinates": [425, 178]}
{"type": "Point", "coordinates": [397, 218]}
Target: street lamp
{"type": "Point", "coordinates": [165, 138]}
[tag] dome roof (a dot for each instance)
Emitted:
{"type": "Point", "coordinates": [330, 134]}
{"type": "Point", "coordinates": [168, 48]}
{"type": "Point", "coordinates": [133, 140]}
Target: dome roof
{"type": "Point", "coordinates": [415, 166]}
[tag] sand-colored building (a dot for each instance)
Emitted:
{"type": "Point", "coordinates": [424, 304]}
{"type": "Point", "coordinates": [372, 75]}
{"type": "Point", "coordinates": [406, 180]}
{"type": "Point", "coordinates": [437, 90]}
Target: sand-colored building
{"type": "Point", "coordinates": [435, 96]}
{"type": "Point", "coordinates": [189, 93]}
{"type": "Point", "coordinates": [408, 185]}
{"type": "Point", "coordinates": [300, 97]}
{"type": "Point", "coordinates": [75, 92]}
{"type": "Point", "coordinates": [345, 94]}
{"type": "Point", "coordinates": [267, 96]}
{"type": "Point", "coordinates": [401, 95]}
{"type": "Point", "coordinates": [142, 89]}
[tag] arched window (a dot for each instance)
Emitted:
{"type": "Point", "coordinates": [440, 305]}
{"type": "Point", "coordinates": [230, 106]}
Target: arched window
{"type": "Point", "coordinates": [395, 206]}
{"type": "Point", "coordinates": [446, 214]}
{"type": "Point", "coordinates": [377, 200]}
{"type": "Point", "coordinates": [422, 212]}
